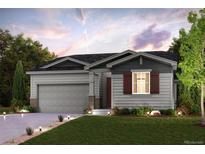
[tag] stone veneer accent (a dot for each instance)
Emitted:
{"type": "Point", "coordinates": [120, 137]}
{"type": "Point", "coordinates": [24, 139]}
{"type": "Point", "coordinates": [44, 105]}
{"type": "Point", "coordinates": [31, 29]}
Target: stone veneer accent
{"type": "Point", "coordinates": [34, 103]}
{"type": "Point", "coordinates": [97, 103]}
{"type": "Point", "coordinates": [91, 100]}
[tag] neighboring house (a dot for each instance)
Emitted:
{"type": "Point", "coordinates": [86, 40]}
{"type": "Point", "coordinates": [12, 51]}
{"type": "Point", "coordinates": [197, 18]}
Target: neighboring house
{"type": "Point", "coordinates": [129, 79]}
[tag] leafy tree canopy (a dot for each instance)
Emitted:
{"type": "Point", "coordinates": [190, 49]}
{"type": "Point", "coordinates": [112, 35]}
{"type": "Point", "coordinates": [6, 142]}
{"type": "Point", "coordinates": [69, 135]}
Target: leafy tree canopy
{"type": "Point", "coordinates": [192, 51]}
{"type": "Point", "coordinates": [15, 48]}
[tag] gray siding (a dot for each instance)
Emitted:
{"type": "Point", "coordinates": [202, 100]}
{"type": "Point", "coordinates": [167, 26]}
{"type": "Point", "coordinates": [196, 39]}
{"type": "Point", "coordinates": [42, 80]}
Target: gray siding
{"type": "Point", "coordinates": [164, 100]}
{"type": "Point", "coordinates": [147, 63]}
{"type": "Point", "coordinates": [36, 80]}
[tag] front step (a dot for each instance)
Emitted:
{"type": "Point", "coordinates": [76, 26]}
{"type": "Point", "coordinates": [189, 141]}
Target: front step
{"type": "Point", "coordinates": [102, 112]}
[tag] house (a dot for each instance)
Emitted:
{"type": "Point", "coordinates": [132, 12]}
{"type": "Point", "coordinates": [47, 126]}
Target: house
{"type": "Point", "coordinates": [128, 79]}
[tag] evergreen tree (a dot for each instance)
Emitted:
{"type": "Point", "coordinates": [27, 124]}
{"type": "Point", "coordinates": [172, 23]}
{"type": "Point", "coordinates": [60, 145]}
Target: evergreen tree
{"type": "Point", "coordinates": [18, 90]}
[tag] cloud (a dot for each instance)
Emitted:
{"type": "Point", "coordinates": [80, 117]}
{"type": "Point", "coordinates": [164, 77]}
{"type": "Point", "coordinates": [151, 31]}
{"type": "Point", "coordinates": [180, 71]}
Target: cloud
{"type": "Point", "coordinates": [104, 35]}
{"type": "Point", "coordinates": [52, 32]}
{"type": "Point", "coordinates": [80, 15]}
{"type": "Point", "coordinates": [150, 37]}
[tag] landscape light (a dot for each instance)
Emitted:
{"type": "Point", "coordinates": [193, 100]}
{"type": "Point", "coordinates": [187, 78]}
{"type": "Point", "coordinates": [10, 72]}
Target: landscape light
{"type": "Point", "coordinates": [68, 116]}
{"type": "Point", "coordinates": [40, 128]}
{"type": "Point", "coordinates": [147, 113]}
{"type": "Point", "coordinates": [89, 112]}
{"type": "Point", "coordinates": [179, 113]}
{"type": "Point", "coordinates": [22, 115]}
{"type": "Point", "coordinates": [108, 113]}
{"type": "Point", "coordinates": [4, 113]}
{"type": "Point", "coordinates": [4, 117]}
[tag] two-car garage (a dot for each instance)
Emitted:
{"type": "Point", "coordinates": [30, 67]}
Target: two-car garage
{"type": "Point", "coordinates": [60, 91]}
{"type": "Point", "coordinates": [63, 98]}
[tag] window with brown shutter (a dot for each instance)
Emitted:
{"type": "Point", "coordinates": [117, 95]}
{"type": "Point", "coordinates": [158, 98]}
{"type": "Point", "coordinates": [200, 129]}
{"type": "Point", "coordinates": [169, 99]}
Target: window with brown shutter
{"type": "Point", "coordinates": [127, 83]}
{"type": "Point", "coordinates": [140, 82]}
{"type": "Point", "coordinates": [154, 83]}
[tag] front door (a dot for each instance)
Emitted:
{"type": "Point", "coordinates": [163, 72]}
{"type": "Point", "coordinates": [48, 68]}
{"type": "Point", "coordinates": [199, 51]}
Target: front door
{"type": "Point", "coordinates": [108, 89]}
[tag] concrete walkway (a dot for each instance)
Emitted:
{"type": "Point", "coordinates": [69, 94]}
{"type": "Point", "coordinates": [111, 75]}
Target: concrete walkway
{"type": "Point", "coordinates": [15, 125]}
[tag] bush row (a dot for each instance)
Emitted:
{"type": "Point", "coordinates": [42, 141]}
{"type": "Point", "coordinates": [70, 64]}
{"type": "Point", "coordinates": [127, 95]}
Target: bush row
{"type": "Point", "coordinates": [135, 111]}
{"type": "Point", "coordinates": [141, 111]}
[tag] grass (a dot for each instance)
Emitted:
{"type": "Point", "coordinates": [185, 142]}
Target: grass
{"type": "Point", "coordinates": [94, 130]}
{"type": "Point", "coordinates": [4, 109]}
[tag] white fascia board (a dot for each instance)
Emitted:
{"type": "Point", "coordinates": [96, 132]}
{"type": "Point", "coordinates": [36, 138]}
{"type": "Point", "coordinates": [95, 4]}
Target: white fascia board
{"type": "Point", "coordinates": [164, 60]}
{"type": "Point", "coordinates": [141, 70]}
{"type": "Point", "coordinates": [56, 72]}
{"type": "Point", "coordinates": [109, 65]}
{"type": "Point", "coordinates": [109, 58]}
{"type": "Point", "coordinates": [64, 59]}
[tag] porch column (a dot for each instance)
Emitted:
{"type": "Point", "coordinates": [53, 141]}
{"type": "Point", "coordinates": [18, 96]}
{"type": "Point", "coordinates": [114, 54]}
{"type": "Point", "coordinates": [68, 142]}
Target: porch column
{"type": "Point", "coordinates": [91, 98]}
{"type": "Point", "coordinates": [97, 90]}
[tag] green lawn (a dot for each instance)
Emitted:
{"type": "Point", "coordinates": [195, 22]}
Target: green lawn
{"type": "Point", "coordinates": [125, 130]}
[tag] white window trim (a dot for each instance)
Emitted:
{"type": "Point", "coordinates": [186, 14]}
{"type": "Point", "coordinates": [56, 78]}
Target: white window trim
{"type": "Point", "coordinates": [133, 82]}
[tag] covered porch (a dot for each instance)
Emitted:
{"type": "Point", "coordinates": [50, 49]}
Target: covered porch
{"type": "Point", "coordinates": [100, 90]}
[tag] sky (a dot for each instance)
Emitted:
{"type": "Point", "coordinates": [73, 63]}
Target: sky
{"type": "Point", "coordinates": [84, 31]}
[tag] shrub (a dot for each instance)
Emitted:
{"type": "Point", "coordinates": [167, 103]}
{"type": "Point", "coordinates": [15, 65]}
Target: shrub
{"type": "Point", "coordinates": [140, 111]}
{"type": "Point", "coordinates": [147, 109]}
{"type": "Point", "coordinates": [60, 118]}
{"type": "Point", "coordinates": [133, 111]}
{"type": "Point", "coordinates": [168, 112]}
{"type": "Point", "coordinates": [183, 109]}
{"type": "Point", "coordinates": [189, 98]}
{"type": "Point", "coordinates": [116, 111]}
{"type": "Point", "coordinates": [29, 131]}
{"type": "Point", "coordinates": [124, 111]}
{"type": "Point", "coordinates": [28, 108]}
{"type": "Point", "coordinates": [195, 109]}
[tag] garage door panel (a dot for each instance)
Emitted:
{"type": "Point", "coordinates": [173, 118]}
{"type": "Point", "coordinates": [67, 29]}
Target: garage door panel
{"type": "Point", "coordinates": [71, 98]}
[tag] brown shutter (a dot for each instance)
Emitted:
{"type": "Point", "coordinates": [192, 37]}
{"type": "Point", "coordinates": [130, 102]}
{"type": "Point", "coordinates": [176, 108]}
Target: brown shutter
{"type": "Point", "coordinates": [127, 83]}
{"type": "Point", "coordinates": [154, 82]}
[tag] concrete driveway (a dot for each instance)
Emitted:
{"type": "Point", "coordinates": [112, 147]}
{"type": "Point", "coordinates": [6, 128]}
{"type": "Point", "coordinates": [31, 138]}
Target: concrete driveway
{"type": "Point", "coordinates": [15, 125]}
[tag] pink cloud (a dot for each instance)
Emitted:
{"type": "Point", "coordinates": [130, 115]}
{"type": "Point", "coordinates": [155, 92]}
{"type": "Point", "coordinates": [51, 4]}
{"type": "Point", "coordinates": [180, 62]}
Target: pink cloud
{"type": "Point", "coordinates": [87, 39]}
{"type": "Point", "coordinates": [52, 32]}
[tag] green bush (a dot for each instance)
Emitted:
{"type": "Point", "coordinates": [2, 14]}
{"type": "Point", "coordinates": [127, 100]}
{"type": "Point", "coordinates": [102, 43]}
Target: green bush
{"type": "Point", "coordinates": [189, 98]}
{"type": "Point", "coordinates": [124, 111]}
{"type": "Point", "coordinates": [28, 108]}
{"type": "Point", "coordinates": [140, 111]}
{"type": "Point", "coordinates": [60, 118]}
{"type": "Point", "coordinates": [133, 111]}
{"type": "Point", "coordinates": [29, 131]}
{"type": "Point", "coordinates": [195, 108]}
{"type": "Point", "coordinates": [168, 112]}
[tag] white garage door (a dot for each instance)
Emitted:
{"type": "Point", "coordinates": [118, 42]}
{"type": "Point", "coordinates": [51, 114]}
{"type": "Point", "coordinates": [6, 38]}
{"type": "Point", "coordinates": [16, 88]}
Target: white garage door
{"type": "Point", "coordinates": [72, 98]}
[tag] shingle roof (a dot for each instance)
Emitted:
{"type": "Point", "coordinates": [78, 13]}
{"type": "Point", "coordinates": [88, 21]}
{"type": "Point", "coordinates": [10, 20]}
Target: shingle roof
{"type": "Point", "coordinates": [164, 54]}
{"type": "Point", "coordinates": [91, 58]}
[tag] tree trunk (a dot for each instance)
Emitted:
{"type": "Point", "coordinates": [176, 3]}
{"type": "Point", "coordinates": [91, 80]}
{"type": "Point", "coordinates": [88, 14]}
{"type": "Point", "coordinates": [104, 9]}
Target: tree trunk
{"type": "Point", "coordinates": [202, 105]}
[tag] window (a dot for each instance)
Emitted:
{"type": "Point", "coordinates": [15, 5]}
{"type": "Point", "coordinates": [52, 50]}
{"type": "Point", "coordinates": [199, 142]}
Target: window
{"type": "Point", "coordinates": [140, 82]}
